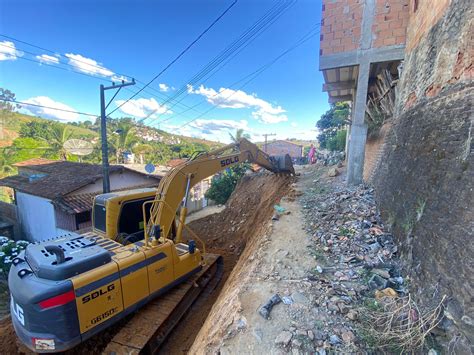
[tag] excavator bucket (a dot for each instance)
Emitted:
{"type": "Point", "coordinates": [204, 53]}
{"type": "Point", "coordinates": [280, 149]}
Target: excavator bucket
{"type": "Point", "coordinates": [283, 164]}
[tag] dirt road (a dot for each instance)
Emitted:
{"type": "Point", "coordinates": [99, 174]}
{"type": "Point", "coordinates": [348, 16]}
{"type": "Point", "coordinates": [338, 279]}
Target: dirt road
{"type": "Point", "coordinates": [275, 262]}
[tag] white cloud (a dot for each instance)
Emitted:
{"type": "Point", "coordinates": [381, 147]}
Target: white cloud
{"type": "Point", "coordinates": [8, 51]}
{"type": "Point", "coordinates": [217, 126]}
{"type": "Point", "coordinates": [87, 65]}
{"type": "Point", "coordinates": [45, 58]}
{"type": "Point", "coordinates": [268, 118]}
{"type": "Point", "coordinates": [164, 87]}
{"type": "Point", "coordinates": [50, 113]}
{"type": "Point", "coordinates": [212, 129]}
{"type": "Point", "coordinates": [119, 79]}
{"type": "Point", "coordinates": [229, 98]}
{"type": "Point", "coordinates": [142, 107]}
{"type": "Point", "coordinates": [294, 124]}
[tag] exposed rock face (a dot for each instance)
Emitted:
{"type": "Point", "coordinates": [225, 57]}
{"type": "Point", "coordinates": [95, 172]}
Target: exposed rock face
{"type": "Point", "coordinates": [425, 184]}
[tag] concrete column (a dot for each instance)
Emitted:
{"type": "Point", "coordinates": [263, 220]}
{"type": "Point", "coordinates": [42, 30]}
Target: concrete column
{"type": "Point", "coordinates": [356, 151]}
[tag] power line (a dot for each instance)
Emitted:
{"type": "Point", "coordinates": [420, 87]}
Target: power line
{"type": "Point", "coordinates": [179, 55]}
{"type": "Point", "coordinates": [75, 71]}
{"type": "Point", "coordinates": [262, 29]}
{"type": "Point", "coordinates": [56, 53]}
{"type": "Point", "coordinates": [48, 107]}
{"type": "Point", "coordinates": [244, 39]}
{"type": "Point", "coordinates": [260, 70]}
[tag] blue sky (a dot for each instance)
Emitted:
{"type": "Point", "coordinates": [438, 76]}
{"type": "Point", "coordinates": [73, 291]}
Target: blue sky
{"type": "Point", "coordinates": [139, 38]}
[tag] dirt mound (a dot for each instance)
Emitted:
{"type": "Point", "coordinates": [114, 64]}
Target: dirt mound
{"type": "Point", "coordinates": [226, 233]}
{"type": "Point", "coordinates": [250, 205]}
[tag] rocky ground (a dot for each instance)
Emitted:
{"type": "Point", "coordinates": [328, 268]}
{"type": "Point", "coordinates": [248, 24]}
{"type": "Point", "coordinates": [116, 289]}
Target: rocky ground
{"type": "Point", "coordinates": [329, 267]}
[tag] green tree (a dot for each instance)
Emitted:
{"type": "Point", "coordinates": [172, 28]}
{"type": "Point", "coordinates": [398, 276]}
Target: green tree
{"type": "Point", "coordinates": [6, 163]}
{"type": "Point", "coordinates": [331, 122]}
{"type": "Point", "coordinates": [142, 150]}
{"type": "Point", "coordinates": [239, 133]}
{"type": "Point", "coordinates": [6, 98]}
{"type": "Point", "coordinates": [27, 148]}
{"type": "Point", "coordinates": [36, 129]}
{"type": "Point", "coordinates": [123, 138]}
{"type": "Point", "coordinates": [60, 133]}
{"type": "Point", "coordinates": [224, 184]}
{"type": "Point", "coordinates": [338, 142]}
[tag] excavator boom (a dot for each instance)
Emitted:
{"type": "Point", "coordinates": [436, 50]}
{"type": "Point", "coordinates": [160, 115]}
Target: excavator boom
{"type": "Point", "coordinates": [175, 186]}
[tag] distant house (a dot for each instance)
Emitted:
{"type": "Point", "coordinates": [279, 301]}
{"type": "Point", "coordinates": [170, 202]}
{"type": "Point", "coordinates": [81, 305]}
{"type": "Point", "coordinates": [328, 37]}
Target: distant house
{"type": "Point", "coordinates": [53, 197]}
{"type": "Point", "coordinates": [281, 147]}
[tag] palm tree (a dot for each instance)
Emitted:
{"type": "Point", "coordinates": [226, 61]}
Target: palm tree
{"type": "Point", "coordinates": [124, 138]}
{"type": "Point", "coordinates": [239, 133]}
{"type": "Point", "coordinates": [6, 165]}
{"type": "Point", "coordinates": [141, 150]}
{"type": "Point", "coordinates": [60, 133]}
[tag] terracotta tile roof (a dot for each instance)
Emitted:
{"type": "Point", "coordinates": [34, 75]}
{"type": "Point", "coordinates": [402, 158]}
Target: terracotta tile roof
{"type": "Point", "coordinates": [34, 162]}
{"type": "Point", "coordinates": [175, 162]}
{"type": "Point", "coordinates": [60, 177]}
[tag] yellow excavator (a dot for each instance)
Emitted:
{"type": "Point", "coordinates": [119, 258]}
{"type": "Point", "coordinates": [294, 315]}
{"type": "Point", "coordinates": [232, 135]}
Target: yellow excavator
{"type": "Point", "coordinates": [66, 289]}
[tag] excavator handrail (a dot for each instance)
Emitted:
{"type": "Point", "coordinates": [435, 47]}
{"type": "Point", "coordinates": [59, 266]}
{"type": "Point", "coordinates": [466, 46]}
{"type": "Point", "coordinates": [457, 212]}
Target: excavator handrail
{"type": "Point", "coordinates": [203, 250]}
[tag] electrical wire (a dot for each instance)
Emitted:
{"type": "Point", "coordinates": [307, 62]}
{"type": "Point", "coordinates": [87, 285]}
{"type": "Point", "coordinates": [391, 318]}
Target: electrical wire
{"type": "Point", "coordinates": [48, 107]}
{"type": "Point", "coordinates": [85, 74]}
{"type": "Point", "coordinates": [265, 26]}
{"type": "Point", "coordinates": [244, 39]}
{"type": "Point", "coordinates": [179, 55]}
{"type": "Point", "coordinates": [57, 54]}
{"type": "Point", "coordinates": [259, 71]}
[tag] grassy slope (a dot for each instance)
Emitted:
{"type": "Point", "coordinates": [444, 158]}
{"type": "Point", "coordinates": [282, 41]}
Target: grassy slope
{"type": "Point", "coordinates": [12, 124]}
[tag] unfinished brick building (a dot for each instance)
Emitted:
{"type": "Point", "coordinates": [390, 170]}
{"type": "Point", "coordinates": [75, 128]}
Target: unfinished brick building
{"type": "Point", "coordinates": [424, 180]}
{"type": "Point", "coordinates": [359, 40]}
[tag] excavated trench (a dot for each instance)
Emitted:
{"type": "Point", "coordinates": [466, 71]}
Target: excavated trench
{"type": "Point", "coordinates": [226, 233]}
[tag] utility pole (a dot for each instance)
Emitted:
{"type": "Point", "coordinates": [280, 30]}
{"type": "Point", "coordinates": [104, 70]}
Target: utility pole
{"type": "Point", "coordinates": [103, 131]}
{"type": "Point", "coordinates": [266, 135]}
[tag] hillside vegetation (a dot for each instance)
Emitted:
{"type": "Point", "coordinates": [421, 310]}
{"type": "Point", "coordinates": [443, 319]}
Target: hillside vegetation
{"type": "Point", "coordinates": [25, 137]}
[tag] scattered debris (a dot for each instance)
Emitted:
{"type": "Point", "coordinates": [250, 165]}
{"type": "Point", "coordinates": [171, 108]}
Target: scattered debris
{"type": "Point", "coordinates": [265, 310]}
{"type": "Point", "coordinates": [333, 172]}
{"type": "Point", "coordinates": [283, 338]}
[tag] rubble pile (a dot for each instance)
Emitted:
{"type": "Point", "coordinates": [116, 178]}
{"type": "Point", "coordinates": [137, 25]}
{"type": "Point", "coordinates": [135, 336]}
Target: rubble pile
{"type": "Point", "coordinates": [355, 258]}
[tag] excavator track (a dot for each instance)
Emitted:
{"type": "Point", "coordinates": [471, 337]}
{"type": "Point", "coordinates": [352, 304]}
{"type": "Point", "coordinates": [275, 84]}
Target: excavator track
{"type": "Point", "coordinates": [149, 327]}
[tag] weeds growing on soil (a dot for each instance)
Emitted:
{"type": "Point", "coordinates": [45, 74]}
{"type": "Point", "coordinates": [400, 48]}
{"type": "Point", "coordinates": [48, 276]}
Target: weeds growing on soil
{"type": "Point", "coordinates": [397, 324]}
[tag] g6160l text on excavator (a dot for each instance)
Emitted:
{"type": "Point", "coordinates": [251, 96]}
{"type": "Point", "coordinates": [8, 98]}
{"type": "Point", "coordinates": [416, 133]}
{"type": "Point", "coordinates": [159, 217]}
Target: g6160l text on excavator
{"type": "Point", "coordinates": [66, 289]}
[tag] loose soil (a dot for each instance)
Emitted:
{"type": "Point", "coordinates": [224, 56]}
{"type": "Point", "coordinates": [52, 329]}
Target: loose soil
{"type": "Point", "coordinates": [244, 219]}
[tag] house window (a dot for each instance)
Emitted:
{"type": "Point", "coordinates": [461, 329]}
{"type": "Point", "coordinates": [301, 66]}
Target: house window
{"type": "Point", "coordinates": [83, 219]}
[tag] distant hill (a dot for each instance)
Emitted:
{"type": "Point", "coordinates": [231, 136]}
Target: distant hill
{"type": "Point", "coordinates": [13, 122]}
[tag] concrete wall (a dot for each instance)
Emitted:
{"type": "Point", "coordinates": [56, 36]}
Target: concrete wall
{"type": "Point", "coordinates": [341, 26]}
{"type": "Point", "coordinates": [374, 152]}
{"type": "Point", "coordinates": [425, 184]}
{"type": "Point", "coordinates": [36, 215]}
{"type": "Point", "coordinates": [119, 181]}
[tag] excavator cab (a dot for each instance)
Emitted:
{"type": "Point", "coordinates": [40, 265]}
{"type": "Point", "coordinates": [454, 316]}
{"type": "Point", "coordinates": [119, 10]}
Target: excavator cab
{"type": "Point", "coordinates": [119, 215]}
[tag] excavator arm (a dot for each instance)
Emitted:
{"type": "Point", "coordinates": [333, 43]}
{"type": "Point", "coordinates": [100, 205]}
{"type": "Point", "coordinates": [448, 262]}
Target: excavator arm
{"type": "Point", "coordinates": [175, 186]}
